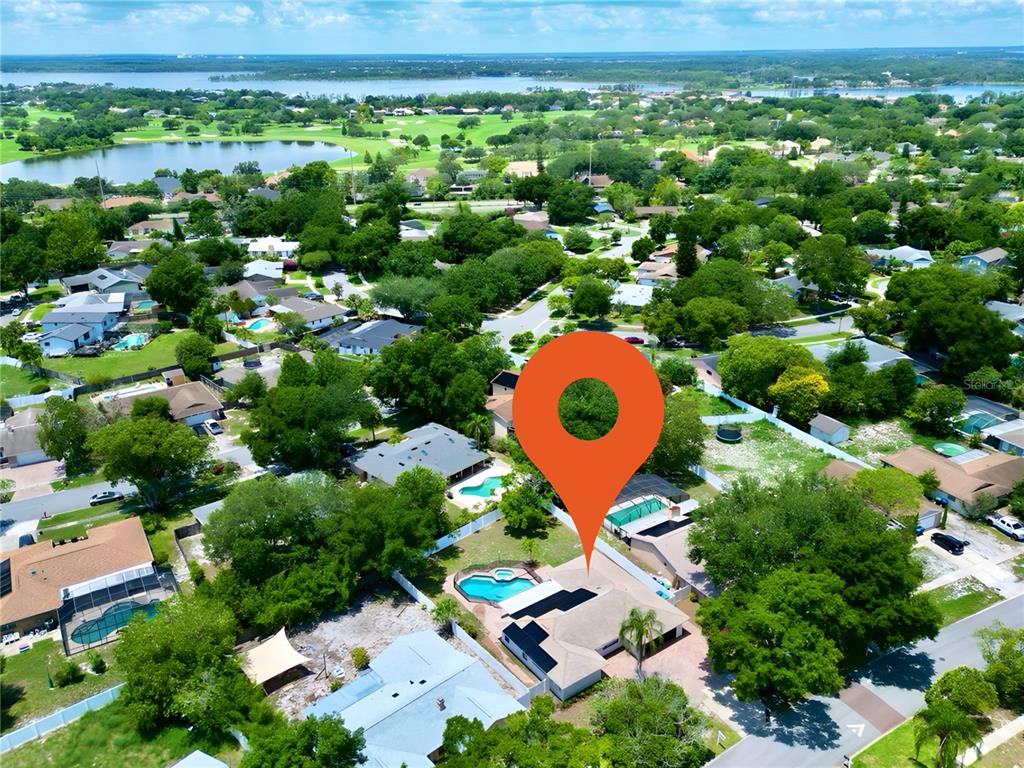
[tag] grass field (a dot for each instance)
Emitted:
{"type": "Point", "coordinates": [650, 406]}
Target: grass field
{"type": "Point", "coordinates": [103, 739]}
{"type": "Point", "coordinates": [156, 354]}
{"type": "Point", "coordinates": [707, 405]}
{"type": "Point", "coordinates": [963, 598]}
{"type": "Point", "coordinates": [766, 453]}
{"type": "Point", "coordinates": [18, 381]}
{"type": "Point", "coordinates": [894, 750]}
{"type": "Point", "coordinates": [68, 525]}
{"type": "Point", "coordinates": [26, 694]}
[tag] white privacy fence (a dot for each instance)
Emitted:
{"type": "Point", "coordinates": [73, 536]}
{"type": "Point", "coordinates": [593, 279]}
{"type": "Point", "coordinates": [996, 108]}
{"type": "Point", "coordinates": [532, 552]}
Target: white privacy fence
{"type": "Point", "coordinates": [58, 719]}
{"type": "Point", "coordinates": [471, 527]}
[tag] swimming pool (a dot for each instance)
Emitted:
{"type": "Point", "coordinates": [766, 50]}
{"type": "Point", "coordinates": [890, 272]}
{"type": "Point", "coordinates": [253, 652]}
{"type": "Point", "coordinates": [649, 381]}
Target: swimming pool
{"type": "Point", "coordinates": [131, 340]}
{"type": "Point", "coordinates": [635, 511]}
{"type": "Point", "coordinates": [482, 586]}
{"type": "Point", "coordinates": [145, 304]}
{"type": "Point", "coordinates": [111, 620]}
{"type": "Point", "coordinates": [949, 450]}
{"type": "Point", "coordinates": [485, 488]}
{"type": "Point", "coordinates": [257, 325]}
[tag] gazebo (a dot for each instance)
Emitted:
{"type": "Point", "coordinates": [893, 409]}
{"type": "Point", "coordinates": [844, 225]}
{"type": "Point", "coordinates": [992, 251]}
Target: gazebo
{"type": "Point", "coordinates": [271, 659]}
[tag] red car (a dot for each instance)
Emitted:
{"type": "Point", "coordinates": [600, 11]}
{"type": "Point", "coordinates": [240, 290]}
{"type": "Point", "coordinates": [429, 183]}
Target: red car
{"type": "Point", "coordinates": [633, 340]}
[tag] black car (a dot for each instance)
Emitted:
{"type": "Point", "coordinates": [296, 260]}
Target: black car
{"type": "Point", "coordinates": [950, 543]}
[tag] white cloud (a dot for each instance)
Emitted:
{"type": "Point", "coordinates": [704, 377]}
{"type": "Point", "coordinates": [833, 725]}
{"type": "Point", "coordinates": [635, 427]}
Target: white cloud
{"type": "Point", "coordinates": [240, 14]}
{"type": "Point", "coordinates": [189, 13]}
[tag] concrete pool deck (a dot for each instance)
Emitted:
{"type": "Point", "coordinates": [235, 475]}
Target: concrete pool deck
{"type": "Point", "coordinates": [467, 501]}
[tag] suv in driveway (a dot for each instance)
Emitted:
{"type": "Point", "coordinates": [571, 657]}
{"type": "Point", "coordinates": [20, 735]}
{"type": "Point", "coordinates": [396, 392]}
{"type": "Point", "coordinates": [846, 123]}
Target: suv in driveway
{"type": "Point", "coordinates": [950, 543]}
{"type": "Point", "coordinates": [1011, 526]}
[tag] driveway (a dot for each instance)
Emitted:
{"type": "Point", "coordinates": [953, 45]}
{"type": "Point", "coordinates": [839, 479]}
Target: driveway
{"type": "Point", "coordinates": [33, 479]}
{"type": "Point", "coordinates": [822, 327]}
{"type": "Point", "coordinates": [820, 731]}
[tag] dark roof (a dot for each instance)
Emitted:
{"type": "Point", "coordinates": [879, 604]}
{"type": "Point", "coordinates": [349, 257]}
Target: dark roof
{"type": "Point", "coordinates": [67, 332]}
{"type": "Point", "coordinates": [650, 485]}
{"type": "Point", "coordinates": [269, 194]}
{"type": "Point", "coordinates": [527, 641]}
{"type": "Point", "coordinates": [373, 335]}
{"type": "Point", "coordinates": [506, 379]}
{"type": "Point", "coordinates": [560, 601]}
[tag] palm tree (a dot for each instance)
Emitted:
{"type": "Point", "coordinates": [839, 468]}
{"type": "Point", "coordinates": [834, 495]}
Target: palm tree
{"type": "Point", "coordinates": [639, 631]}
{"type": "Point", "coordinates": [954, 730]}
{"type": "Point", "coordinates": [446, 610]}
{"type": "Point", "coordinates": [478, 427]}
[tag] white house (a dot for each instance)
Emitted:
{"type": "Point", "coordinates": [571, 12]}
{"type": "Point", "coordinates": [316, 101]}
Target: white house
{"type": "Point", "coordinates": [264, 268]}
{"type": "Point", "coordinates": [68, 328]}
{"type": "Point", "coordinates": [19, 440]}
{"type": "Point", "coordinates": [317, 314]}
{"type": "Point", "coordinates": [368, 338]}
{"type": "Point", "coordinates": [67, 338]}
{"type": "Point", "coordinates": [903, 256]}
{"type": "Point", "coordinates": [272, 247]}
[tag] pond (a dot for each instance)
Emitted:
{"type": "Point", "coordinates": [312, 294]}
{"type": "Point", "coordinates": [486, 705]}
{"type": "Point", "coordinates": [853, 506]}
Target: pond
{"type": "Point", "coordinates": [136, 162]}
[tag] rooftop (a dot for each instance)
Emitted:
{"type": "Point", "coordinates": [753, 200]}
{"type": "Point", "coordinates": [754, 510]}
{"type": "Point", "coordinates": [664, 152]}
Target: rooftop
{"type": "Point", "coordinates": [39, 572]}
{"type": "Point", "coordinates": [432, 446]}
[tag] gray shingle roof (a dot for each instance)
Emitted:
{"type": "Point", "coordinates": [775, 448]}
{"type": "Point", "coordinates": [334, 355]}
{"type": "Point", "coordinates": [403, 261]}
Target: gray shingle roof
{"type": "Point", "coordinates": [67, 332]}
{"type": "Point", "coordinates": [432, 446]}
{"type": "Point", "coordinates": [826, 424]}
{"type": "Point", "coordinates": [373, 335]}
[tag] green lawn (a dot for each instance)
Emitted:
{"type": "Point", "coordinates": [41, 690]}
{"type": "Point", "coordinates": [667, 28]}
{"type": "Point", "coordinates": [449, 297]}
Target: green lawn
{"type": "Point", "coordinates": [156, 354]}
{"type": "Point", "coordinates": [18, 381]}
{"type": "Point", "coordinates": [77, 481]}
{"type": "Point", "coordinates": [39, 311]}
{"type": "Point", "coordinates": [766, 453]}
{"type": "Point", "coordinates": [894, 750]}
{"type": "Point", "coordinates": [491, 544]}
{"type": "Point", "coordinates": [78, 522]}
{"type": "Point", "coordinates": [1006, 755]}
{"type": "Point", "coordinates": [103, 739]}
{"type": "Point", "coordinates": [963, 598]}
{"type": "Point", "coordinates": [25, 692]}
{"type": "Point", "coordinates": [707, 405]}
{"type": "Point", "coordinates": [1018, 566]}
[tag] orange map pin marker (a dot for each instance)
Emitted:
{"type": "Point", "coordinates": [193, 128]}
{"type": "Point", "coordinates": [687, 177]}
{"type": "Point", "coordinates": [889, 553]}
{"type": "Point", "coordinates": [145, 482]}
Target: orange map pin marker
{"type": "Point", "coordinates": [588, 474]}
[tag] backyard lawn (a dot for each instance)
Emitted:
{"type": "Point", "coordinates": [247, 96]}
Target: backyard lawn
{"type": "Point", "coordinates": [707, 405]}
{"type": "Point", "coordinates": [103, 739]}
{"type": "Point", "coordinates": [26, 694]}
{"type": "Point", "coordinates": [111, 364]}
{"type": "Point", "coordinates": [491, 544]}
{"type": "Point", "coordinates": [870, 440]}
{"type": "Point", "coordinates": [962, 598]}
{"type": "Point", "coordinates": [765, 453]}
{"type": "Point", "coordinates": [18, 381]}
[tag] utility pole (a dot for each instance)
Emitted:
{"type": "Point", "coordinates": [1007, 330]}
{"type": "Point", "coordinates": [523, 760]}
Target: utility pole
{"type": "Point", "coordinates": [590, 166]}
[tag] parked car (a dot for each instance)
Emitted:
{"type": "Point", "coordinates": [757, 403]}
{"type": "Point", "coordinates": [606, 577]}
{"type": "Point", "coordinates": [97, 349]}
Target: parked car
{"type": "Point", "coordinates": [26, 540]}
{"type": "Point", "coordinates": [1011, 526]}
{"type": "Point", "coordinates": [950, 543]}
{"type": "Point", "coordinates": [634, 340]}
{"type": "Point", "coordinates": [104, 497]}
{"type": "Point", "coordinates": [213, 427]}
{"type": "Point", "coordinates": [313, 296]}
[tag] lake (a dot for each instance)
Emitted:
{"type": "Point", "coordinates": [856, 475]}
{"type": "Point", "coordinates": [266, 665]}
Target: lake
{"type": "Point", "coordinates": [961, 92]}
{"type": "Point", "coordinates": [135, 162]}
{"type": "Point", "coordinates": [358, 89]}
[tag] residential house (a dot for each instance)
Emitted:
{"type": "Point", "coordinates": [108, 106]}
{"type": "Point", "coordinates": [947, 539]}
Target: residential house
{"type": "Point", "coordinates": [829, 430]}
{"type": "Point", "coordinates": [964, 478]}
{"type": "Point", "coordinates": [127, 279]}
{"type": "Point", "coordinates": [199, 759]}
{"type": "Point", "coordinates": [272, 248]}
{"type": "Point", "coordinates": [632, 295]}
{"type": "Point", "coordinates": [188, 197]}
{"type": "Point", "coordinates": [1011, 313]}
{"type": "Point", "coordinates": [266, 193]}
{"type": "Point", "coordinates": [268, 369]}
{"type": "Point", "coordinates": [436, 447]}
{"type": "Point", "coordinates": [259, 289]}
{"type": "Point", "coordinates": [534, 221]}
{"type": "Point", "coordinates": [522, 168]}
{"type": "Point", "coordinates": [646, 211]}
{"type": "Point", "coordinates": [656, 273]}
{"type": "Point", "coordinates": [795, 287]}
{"type": "Point", "coordinates": [273, 270]}
{"type": "Point", "coordinates": [53, 203]}
{"type": "Point", "coordinates": [66, 339]}
{"type": "Point", "coordinates": [317, 314]}
{"type": "Point", "coordinates": [402, 703]}
{"type": "Point", "coordinates": [19, 439]}
{"type": "Point", "coordinates": [367, 338]}
{"type": "Point", "coordinates": [499, 402]}
{"type": "Point", "coordinates": [130, 249]}
{"type": "Point", "coordinates": [70, 327]}
{"type": "Point", "coordinates": [565, 629]}
{"type": "Point", "coordinates": [879, 355]}
{"type": "Point", "coordinates": [903, 256]}
{"type": "Point", "coordinates": [126, 200]}
{"type": "Point", "coordinates": [596, 182]}
{"type": "Point", "coordinates": [42, 580]}
{"type": "Point", "coordinates": [982, 261]}
{"type": "Point", "coordinates": [147, 226]}
{"type": "Point", "coordinates": [668, 252]}
{"type": "Point", "coordinates": [417, 179]}
{"type": "Point", "coordinates": [191, 403]}
{"type": "Point", "coordinates": [1006, 436]}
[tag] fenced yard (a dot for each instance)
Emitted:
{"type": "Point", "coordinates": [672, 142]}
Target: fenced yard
{"type": "Point", "coordinates": [765, 453]}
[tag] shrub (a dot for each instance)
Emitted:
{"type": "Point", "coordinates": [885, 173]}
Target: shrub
{"type": "Point", "coordinates": [360, 658]}
{"type": "Point", "coordinates": [678, 371]}
{"type": "Point", "coordinates": [336, 683]}
{"type": "Point", "coordinates": [65, 672]}
{"type": "Point", "coordinates": [196, 572]}
{"type": "Point", "coordinates": [38, 389]}
{"type": "Point", "coordinates": [521, 341]}
{"type": "Point", "coordinates": [97, 663]}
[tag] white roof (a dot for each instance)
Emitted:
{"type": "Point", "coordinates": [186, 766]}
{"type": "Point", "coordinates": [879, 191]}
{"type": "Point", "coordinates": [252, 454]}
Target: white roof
{"type": "Point", "coordinates": [633, 295]}
{"type": "Point", "coordinates": [199, 759]}
{"type": "Point", "coordinates": [273, 269]}
{"type": "Point", "coordinates": [271, 658]}
{"type": "Point", "coordinates": [903, 253]}
{"type": "Point", "coordinates": [267, 244]}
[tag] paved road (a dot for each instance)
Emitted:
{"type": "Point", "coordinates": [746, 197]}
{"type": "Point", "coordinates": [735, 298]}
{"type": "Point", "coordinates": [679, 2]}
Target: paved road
{"type": "Point", "coordinates": [77, 498]}
{"type": "Point", "coordinates": [822, 327]}
{"type": "Point", "coordinates": [535, 319]}
{"type": "Point", "coordinates": [821, 730]}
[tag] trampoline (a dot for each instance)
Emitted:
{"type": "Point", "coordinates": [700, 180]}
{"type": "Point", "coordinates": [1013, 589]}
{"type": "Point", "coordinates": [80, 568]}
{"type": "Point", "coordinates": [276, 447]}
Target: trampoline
{"type": "Point", "coordinates": [635, 511]}
{"type": "Point", "coordinates": [728, 434]}
{"type": "Point", "coordinates": [949, 450]}
{"type": "Point", "coordinates": [111, 620]}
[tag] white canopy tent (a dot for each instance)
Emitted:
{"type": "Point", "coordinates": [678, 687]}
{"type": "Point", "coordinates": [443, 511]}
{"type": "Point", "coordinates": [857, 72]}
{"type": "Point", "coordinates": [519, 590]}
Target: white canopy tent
{"type": "Point", "coordinates": [273, 657]}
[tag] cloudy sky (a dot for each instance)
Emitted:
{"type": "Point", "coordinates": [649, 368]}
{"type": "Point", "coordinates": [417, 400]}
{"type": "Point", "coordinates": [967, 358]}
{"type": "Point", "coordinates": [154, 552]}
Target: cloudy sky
{"type": "Point", "coordinates": [488, 26]}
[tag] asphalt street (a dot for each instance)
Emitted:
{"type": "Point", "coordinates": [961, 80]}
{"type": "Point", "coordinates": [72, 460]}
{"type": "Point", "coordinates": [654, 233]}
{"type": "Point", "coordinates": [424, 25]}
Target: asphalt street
{"type": "Point", "coordinates": [820, 731]}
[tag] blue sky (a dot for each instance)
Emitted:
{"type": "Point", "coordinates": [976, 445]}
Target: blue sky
{"type": "Point", "coordinates": [491, 26]}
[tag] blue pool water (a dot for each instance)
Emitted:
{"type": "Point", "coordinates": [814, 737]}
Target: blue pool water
{"type": "Point", "coordinates": [263, 322]}
{"type": "Point", "coordinates": [483, 587]}
{"type": "Point", "coordinates": [635, 511]}
{"type": "Point", "coordinates": [145, 304]}
{"type": "Point", "coordinates": [131, 340]}
{"type": "Point", "coordinates": [486, 488]}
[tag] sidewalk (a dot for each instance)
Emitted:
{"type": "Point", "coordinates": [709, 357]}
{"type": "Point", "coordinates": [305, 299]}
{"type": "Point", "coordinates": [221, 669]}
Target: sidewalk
{"type": "Point", "coordinates": [998, 737]}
